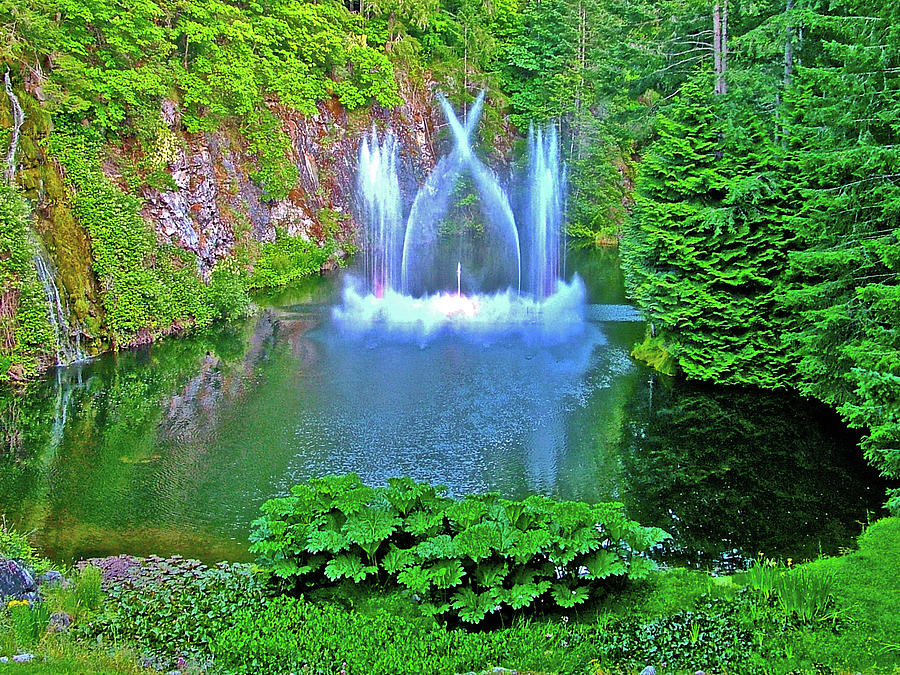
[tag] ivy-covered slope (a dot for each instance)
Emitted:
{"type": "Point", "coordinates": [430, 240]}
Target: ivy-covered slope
{"type": "Point", "coordinates": [172, 161]}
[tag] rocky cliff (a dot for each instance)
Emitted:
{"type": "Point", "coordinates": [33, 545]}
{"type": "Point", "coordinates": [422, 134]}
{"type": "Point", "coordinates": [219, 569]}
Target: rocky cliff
{"type": "Point", "coordinates": [208, 203]}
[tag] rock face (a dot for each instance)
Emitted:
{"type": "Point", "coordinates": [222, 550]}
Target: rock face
{"type": "Point", "coordinates": [213, 196]}
{"type": "Point", "coordinates": [16, 582]}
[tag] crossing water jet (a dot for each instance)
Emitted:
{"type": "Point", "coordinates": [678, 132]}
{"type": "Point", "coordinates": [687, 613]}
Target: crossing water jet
{"type": "Point", "coordinates": [508, 271]}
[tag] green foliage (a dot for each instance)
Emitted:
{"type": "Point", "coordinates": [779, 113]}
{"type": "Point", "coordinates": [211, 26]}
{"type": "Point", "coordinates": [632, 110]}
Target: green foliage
{"type": "Point", "coordinates": [841, 142]}
{"type": "Point", "coordinates": [708, 252]}
{"type": "Point", "coordinates": [270, 144]}
{"type": "Point", "coordinates": [29, 621]}
{"type": "Point", "coordinates": [25, 331]}
{"type": "Point", "coordinates": [468, 558]}
{"type": "Point", "coordinates": [176, 607]}
{"type": "Point", "coordinates": [287, 259]}
{"type": "Point", "coordinates": [145, 286]}
{"type": "Point", "coordinates": [221, 58]}
{"type": "Point", "coordinates": [16, 546]}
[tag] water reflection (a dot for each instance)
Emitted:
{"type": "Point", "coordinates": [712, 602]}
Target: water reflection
{"type": "Point", "coordinates": [743, 471]}
{"type": "Point", "coordinates": [173, 448]}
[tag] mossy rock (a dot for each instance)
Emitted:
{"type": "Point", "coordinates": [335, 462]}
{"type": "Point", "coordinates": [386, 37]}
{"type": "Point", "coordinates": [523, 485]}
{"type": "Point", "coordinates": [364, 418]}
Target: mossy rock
{"type": "Point", "coordinates": [653, 352]}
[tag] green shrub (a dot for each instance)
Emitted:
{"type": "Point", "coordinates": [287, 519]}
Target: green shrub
{"type": "Point", "coordinates": [15, 546]}
{"type": "Point", "coordinates": [467, 558]}
{"type": "Point", "coordinates": [804, 594]}
{"type": "Point", "coordinates": [296, 636]}
{"type": "Point", "coordinates": [28, 621]}
{"type": "Point", "coordinates": [176, 607]}
{"type": "Point", "coordinates": [291, 635]}
{"type": "Point", "coordinates": [287, 259]}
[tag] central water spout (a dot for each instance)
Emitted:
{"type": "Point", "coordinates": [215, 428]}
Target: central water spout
{"type": "Point", "coordinates": [427, 228]}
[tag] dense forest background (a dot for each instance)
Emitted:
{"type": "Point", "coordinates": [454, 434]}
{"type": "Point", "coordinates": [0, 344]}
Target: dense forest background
{"type": "Point", "coordinates": [745, 154]}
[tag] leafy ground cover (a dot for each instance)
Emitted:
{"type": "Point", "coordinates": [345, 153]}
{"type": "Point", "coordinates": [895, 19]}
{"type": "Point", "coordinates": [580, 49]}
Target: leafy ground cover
{"type": "Point", "coordinates": [834, 615]}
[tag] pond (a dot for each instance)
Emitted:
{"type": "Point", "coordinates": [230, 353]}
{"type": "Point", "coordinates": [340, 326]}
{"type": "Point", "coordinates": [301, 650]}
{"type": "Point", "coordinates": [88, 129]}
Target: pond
{"type": "Point", "coordinates": [172, 448]}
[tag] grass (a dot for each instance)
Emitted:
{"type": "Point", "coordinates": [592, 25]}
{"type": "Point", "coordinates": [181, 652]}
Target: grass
{"type": "Point", "coordinates": [867, 594]}
{"type": "Point", "coordinates": [60, 656]}
{"type": "Point", "coordinates": [860, 632]}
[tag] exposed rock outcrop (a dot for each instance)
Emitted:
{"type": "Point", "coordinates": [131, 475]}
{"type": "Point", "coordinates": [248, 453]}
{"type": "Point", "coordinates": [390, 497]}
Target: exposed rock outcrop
{"type": "Point", "coordinates": [213, 196]}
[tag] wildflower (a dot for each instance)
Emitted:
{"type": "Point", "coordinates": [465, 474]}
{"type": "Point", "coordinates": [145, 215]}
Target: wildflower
{"type": "Point", "coordinates": [549, 636]}
{"type": "Point", "coordinates": [790, 561]}
{"type": "Point", "coordinates": [565, 619]}
{"type": "Point", "coordinates": [17, 603]}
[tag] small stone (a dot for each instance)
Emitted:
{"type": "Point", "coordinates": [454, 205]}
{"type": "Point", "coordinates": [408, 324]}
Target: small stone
{"type": "Point", "coordinates": [23, 658]}
{"type": "Point", "coordinates": [51, 578]}
{"type": "Point", "coordinates": [649, 670]}
{"type": "Point", "coordinates": [4, 659]}
{"type": "Point", "coordinates": [699, 672]}
{"type": "Point", "coordinates": [59, 621]}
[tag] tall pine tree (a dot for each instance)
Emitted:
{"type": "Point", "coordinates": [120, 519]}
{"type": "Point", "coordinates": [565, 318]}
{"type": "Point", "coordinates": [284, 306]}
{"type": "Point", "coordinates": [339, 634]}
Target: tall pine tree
{"type": "Point", "coordinates": [708, 247]}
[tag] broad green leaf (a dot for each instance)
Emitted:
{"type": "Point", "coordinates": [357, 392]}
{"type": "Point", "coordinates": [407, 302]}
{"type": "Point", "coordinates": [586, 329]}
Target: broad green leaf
{"type": "Point", "coordinates": [441, 546]}
{"type": "Point", "coordinates": [640, 568]}
{"type": "Point", "coordinates": [396, 559]}
{"type": "Point", "coordinates": [348, 566]}
{"type": "Point", "coordinates": [568, 596]}
{"type": "Point", "coordinates": [602, 564]}
{"type": "Point", "coordinates": [326, 540]}
{"type": "Point", "coordinates": [446, 573]}
{"type": "Point", "coordinates": [415, 579]}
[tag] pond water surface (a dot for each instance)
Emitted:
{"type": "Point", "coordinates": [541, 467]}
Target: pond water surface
{"type": "Point", "coordinates": [172, 448]}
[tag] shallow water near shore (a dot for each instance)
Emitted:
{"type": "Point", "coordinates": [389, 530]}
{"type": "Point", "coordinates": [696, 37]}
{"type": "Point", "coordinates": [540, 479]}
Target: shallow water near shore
{"type": "Point", "coordinates": [172, 448]}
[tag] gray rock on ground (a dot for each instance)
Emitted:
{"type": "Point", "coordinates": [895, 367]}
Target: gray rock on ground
{"type": "Point", "coordinates": [16, 581]}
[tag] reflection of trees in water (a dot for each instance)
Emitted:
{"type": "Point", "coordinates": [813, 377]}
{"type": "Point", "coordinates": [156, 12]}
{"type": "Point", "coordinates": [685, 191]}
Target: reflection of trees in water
{"type": "Point", "coordinates": [725, 468]}
{"type": "Point", "coordinates": [77, 444]}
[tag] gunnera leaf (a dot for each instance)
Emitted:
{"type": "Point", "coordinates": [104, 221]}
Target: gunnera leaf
{"type": "Point", "coordinates": [568, 596]}
{"type": "Point", "coordinates": [472, 607]}
{"type": "Point", "coordinates": [348, 566]}
{"type": "Point", "coordinates": [447, 574]}
{"type": "Point", "coordinates": [396, 559]}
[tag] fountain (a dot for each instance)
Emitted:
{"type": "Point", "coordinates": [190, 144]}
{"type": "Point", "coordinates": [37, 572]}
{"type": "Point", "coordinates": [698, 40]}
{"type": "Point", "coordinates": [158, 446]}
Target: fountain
{"type": "Point", "coordinates": [462, 261]}
{"type": "Point", "coordinates": [379, 190]}
{"type": "Point", "coordinates": [547, 189]}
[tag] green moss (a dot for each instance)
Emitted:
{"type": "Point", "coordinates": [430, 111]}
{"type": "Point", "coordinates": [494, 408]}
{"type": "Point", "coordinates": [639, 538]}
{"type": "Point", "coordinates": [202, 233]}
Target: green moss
{"type": "Point", "coordinates": [653, 352]}
{"type": "Point", "coordinates": [25, 331]}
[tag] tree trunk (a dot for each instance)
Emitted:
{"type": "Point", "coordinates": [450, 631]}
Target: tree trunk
{"type": "Point", "coordinates": [788, 50]}
{"type": "Point", "coordinates": [720, 46]}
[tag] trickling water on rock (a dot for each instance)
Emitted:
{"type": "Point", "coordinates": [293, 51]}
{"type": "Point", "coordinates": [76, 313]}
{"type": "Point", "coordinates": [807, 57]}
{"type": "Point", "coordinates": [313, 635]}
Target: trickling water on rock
{"type": "Point", "coordinates": [67, 352]}
{"type": "Point", "coordinates": [18, 118]}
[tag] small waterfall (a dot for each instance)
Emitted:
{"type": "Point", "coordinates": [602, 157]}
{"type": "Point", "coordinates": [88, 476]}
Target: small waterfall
{"type": "Point", "coordinates": [378, 188]}
{"type": "Point", "coordinates": [18, 119]}
{"type": "Point", "coordinates": [545, 238]}
{"type": "Point", "coordinates": [66, 351]}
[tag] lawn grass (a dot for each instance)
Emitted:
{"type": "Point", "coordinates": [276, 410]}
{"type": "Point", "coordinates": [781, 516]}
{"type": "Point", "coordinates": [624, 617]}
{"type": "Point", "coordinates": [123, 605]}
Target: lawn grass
{"type": "Point", "coordinates": [860, 635]}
